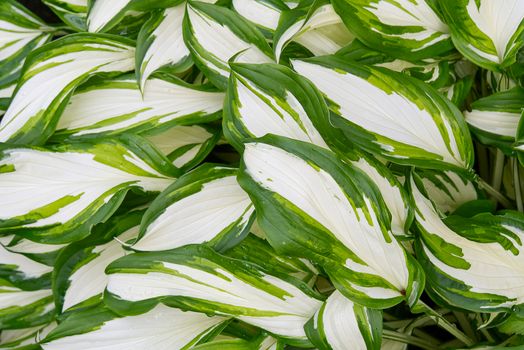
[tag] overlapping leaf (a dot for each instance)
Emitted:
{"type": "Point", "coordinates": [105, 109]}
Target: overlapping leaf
{"type": "Point", "coordinates": [197, 278]}
{"type": "Point", "coordinates": [161, 44]}
{"type": "Point", "coordinates": [471, 263]}
{"type": "Point", "coordinates": [56, 196]}
{"type": "Point", "coordinates": [162, 327]}
{"type": "Point", "coordinates": [340, 322]}
{"type": "Point", "coordinates": [110, 107]}
{"type": "Point", "coordinates": [408, 29]}
{"type": "Point", "coordinates": [265, 14]}
{"type": "Point", "coordinates": [205, 205]}
{"type": "Point", "coordinates": [72, 12]}
{"type": "Point", "coordinates": [311, 203]}
{"type": "Point", "coordinates": [50, 75]}
{"type": "Point", "coordinates": [215, 34]}
{"type": "Point", "coordinates": [392, 115]}
{"type": "Point", "coordinates": [487, 32]}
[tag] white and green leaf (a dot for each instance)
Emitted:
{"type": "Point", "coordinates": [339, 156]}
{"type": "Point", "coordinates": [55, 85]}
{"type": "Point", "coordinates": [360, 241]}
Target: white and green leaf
{"type": "Point", "coordinates": [471, 263]}
{"type": "Point", "coordinates": [340, 322]}
{"type": "Point", "coordinates": [79, 278]}
{"type": "Point", "coordinates": [24, 308]}
{"type": "Point", "coordinates": [495, 119]}
{"type": "Point", "coordinates": [50, 75]}
{"type": "Point", "coordinates": [272, 99]}
{"type": "Point", "coordinates": [313, 24]}
{"type": "Point", "coordinates": [197, 278]}
{"type": "Point", "coordinates": [204, 206]}
{"type": "Point", "coordinates": [313, 204]}
{"type": "Point", "coordinates": [71, 12]}
{"type": "Point", "coordinates": [186, 146]}
{"type": "Point", "coordinates": [392, 115]}
{"type": "Point", "coordinates": [55, 196]}
{"type": "Point", "coordinates": [407, 29]}
{"type": "Point", "coordinates": [110, 107]}
{"type": "Point", "coordinates": [24, 338]}
{"type": "Point", "coordinates": [487, 32]}
{"type": "Point", "coordinates": [448, 190]}
{"type": "Point", "coordinates": [215, 34]}
{"type": "Point", "coordinates": [161, 44]}
{"type": "Point", "coordinates": [263, 13]}
{"type": "Point", "coordinates": [20, 33]}
{"type": "Point", "coordinates": [163, 328]}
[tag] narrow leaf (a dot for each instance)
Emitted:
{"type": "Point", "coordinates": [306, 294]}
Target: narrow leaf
{"type": "Point", "coordinates": [71, 12]}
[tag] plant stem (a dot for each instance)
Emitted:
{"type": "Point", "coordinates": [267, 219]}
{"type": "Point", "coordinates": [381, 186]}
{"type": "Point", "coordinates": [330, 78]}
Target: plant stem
{"type": "Point", "coordinates": [465, 325]}
{"type": "Point", "coordinates": [407, 339]}
{"type": "Point", "coordinates": [445, 324]}
{"type": "Point", "coordinates": [506, 203]}
{"type": "Point", "coordinates": [496, 178]}
{"type": "Point", "coordinates": [516, 184]}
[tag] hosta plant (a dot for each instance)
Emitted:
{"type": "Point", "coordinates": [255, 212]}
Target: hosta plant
{"type": "Point", "coordinates": [261, 174]}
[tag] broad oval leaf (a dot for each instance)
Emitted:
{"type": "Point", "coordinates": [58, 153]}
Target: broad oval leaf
{"type": "Point", "coordinates": [310, 203]}
{"type": "Point", "coordinates": [163, 328]}
{"type": "Point", "coordinates": [392, 115]}
{"type": "Point", "coordinates": [110, 107]}
{"type": "Point", "coordinates": [487, 32]}
{"type": "Point", "coordinates": [186, 146]}
{"type": "Point", "coordinates": [79, 278]}
{"type": "Point", "coordinates": [494, 119]}
{"type": "Point", "coordinates": [161, 44]}
{"type": "Point", "coordinates": [204, 206]}
{"type": "Point", "coordinates": [50, 74]}
{"type": "Point", "coordinates": [71, 12]}
{"type": "Point", "coordinates": [340, 322]}
{"type": "Point", "coordinates": [270, 98]}
{"type": "Point", "coordinates": [215, 34]}
{"type": "Point", "coordinates": [408, 29]}
{"type": "Point", "coordinates": [471, 263]}
{"type": "Point", "coordinates": [55, 196]}
{"type": "Point", "coordinates": [313, 24]}
{"type": "Point", "coordinates": [199, 279]}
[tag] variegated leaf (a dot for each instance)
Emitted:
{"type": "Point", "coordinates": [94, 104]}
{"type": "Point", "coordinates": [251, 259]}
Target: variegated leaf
{"type": "Point", "coordinates": [407, 29]}
{"type": "Point", "coordinates": [392, 115]}
{"type": "Point", "coordinates": [340, 322]}
{"type": "Point", "coordinates": [264, 13]}
{"type": "Point", "coordinates": [215, 34]}
{"type": "Point", "coordinates": [315, 25]}
{"type": "Point", "coordinates": [204, 206]}
{"type": "Point", "coordinates": [71, 12]}
{"type": "Point", "coordinates": [487, 32]}
{"type": "Point", "coordinates": [163, 328]}
{"type": "Point", "coordinates": [161, 44]}
{"type": "Point", "coordinates": [79, 278]}
{"type": "Point", "coordinates": [110, 107]}
{"type": "Point", "coordinates": [24, 308]}
{"type": "Point", "coordinates": [447, 189]}
{"type": "Point", "coordinates": [22, 271]}
{"type": "Point", "coordinates": [186, 146]}
{"type": "Point", "coordinates": [311, 203]}
{"type": "Point", "coordinates": [105, 14]}
{"type": "Point", "coordinates": [269, 98]}
{"type": "Point", "coordinates": [24, 338]}
{"type": "Point", "coordinates": [195, 277]}
{"type": "Point", "coordinates": [55, 196]}
{"type": "Point", "coordinates": [259, 252]}
{"type": "Point", "coordinates": [49, 76]}
{"type": "Point", "coordinates": [494, 119]}
{"type": "Point", "coordinates": [20, 33]}
{"type": "Point", "coordinates": [471, 263]}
